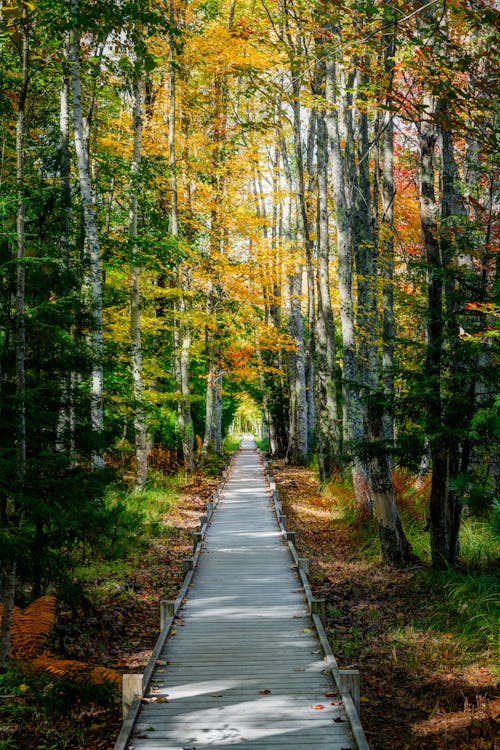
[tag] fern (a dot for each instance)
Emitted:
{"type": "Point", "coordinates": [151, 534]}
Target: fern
{"type": "Point", "coordinates": [31, 628]}
{"type": "Point", "coordinates": [30, 631]}
{"type": "Point", "coordinates": [78, 671]}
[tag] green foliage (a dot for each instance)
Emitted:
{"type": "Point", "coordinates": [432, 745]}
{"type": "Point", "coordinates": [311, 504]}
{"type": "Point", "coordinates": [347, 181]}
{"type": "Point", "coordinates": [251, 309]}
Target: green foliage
{"type": "Point", "coordinates": [231, 443]}
{"type": "Point", "coordinates": [468, 606]}
{"type": "Point", "coordinates": [35, 699]}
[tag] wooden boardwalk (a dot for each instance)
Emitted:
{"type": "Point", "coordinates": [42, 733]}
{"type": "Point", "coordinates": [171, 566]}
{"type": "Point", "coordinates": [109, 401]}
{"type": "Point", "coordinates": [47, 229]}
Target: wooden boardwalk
{"type": "Point", "coordinates": [242, 666]}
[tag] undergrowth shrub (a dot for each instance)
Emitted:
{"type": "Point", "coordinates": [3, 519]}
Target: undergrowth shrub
{"type": "Point", "coordinates": [469, 608]}
{"type": "Point", "coordinates": [34, 701]}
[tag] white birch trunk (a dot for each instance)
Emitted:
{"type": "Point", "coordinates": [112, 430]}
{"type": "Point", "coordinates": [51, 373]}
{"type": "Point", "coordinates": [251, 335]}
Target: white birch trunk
{"type": "Point", "coordinates": [298, 437]}
{"type": "Point", "coordinates": [94, 250]}
{"type": "Point", "coordinates": [65, 434]}
{"type": "Point", "coordinates": [327, 433]}
{"type": "Point", "coordinates": [353, 408]}
{"type": "Point", "coordinates": [140, 432]}
{"type": "Point", "coordinates": [182, 326]}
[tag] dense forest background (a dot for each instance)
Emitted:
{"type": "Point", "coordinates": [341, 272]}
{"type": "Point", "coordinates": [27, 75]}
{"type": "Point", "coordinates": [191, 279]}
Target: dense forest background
{"type": "Point", "coordinates": [279, 217]}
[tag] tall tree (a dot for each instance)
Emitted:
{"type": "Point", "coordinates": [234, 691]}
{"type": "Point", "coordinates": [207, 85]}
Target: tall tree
{"type": "Point", "coordinates": [92, 242]}
{"type": "Point", "coordinates": [182, 325]}
{"type": "Point", "coordinates": [136, 359]}
{"type": "Point", "coordinates": [9, 561]}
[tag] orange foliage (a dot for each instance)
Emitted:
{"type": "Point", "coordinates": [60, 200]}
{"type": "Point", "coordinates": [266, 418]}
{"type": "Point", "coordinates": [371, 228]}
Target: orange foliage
{"type": "Point", "coordinates": [78, 671]}
{"type": "Point", "coordinates": [30, 630]}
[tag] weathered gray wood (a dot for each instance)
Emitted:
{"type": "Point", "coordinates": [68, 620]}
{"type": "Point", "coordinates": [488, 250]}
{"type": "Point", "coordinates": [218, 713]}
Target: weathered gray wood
{"type": "Point", "coordinates": [131, 691]}
{"type": "Point", "coordinates": [318, 607]}
{"type": "Point", "coordinates": [242, 663]}
{"type": "Point", "coordinates": [350, 684]}
{"type": "Point", "coordinates": [304, 565]}
{"type": "Point", "coordinates": [187, 565]}
{"type": "Point", "coordinates": [167, 610]}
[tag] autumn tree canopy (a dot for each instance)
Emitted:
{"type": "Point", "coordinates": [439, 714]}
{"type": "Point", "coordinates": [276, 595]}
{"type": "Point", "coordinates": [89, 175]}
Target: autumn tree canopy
{"type": "Point", "coordinates": [213, 203]}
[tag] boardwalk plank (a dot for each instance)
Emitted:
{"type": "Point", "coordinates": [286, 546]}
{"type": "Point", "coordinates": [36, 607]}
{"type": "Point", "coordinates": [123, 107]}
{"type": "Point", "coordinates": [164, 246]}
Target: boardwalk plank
{"type": "Point", "coordinates": [244, 667]}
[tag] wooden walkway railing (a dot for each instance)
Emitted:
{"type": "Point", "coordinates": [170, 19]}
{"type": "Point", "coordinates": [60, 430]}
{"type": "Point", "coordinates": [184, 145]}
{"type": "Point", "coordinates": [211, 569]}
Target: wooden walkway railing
{"type": "Point", "coordinates": [243, 660]}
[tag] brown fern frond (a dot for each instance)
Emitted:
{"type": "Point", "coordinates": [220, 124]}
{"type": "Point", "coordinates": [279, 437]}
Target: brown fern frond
{"type": "Point", "coordinates": [15, 612]}
{"type": "Point", "coordinates": [31, 628]}
{"type": "Point", "coordinates": [78, 671]}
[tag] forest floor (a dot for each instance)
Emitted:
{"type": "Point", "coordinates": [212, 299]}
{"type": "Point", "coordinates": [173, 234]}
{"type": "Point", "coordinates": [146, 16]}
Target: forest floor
{"type": "Point", "coordinates": [418, 691]}
{"type": "Point", "coordinates": [417, 694]}
{"type": "Point", "coordinates": [115, 624]}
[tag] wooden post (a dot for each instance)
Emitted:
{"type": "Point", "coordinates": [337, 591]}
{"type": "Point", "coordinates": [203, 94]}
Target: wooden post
{"type": "Point", "coordinates": [290, 536]}
{"type": "Point", "coordinates": [282, 520]}
{"type": "Point", "coordinates": [131, 690]}
{"type": "Point", "coordinates": [272, 487]}
{"type": "Point", "coordinates": [166, 611]}
{"type": "Point", "coordinates": [350, 683]}
{"type": "Point", "coordinates": [196, 538]}
{"type": "Point", "coordinates": [318, 607]}
{"type": "Point", "coordinates": [304, 565]}
{"type": "Point", "coordinates": [187, 565]}
{"type": "Point", "coordinates": [210, 508]}
{"type": "Point", "coordinates": [203, 520]}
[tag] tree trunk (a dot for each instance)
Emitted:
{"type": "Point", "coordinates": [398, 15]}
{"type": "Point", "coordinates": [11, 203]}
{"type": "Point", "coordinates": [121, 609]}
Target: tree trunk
{"type": "Point", "coordinates": [435, 328]}
{"type": "Point", "coordinates": [353, 408]}
{"type": "Point", "coordinates": [387, 255]}
{"type": "Point", "coordinates": [140, 432]}
{"type": "Point", "coordinates": [9, 593]}
{"type": "Point", "coordinates": [212, 441]}
{"type": "Point", "coordinates": [92, 240]}
{"type": "Point", "coordinates": [65, 438]}
{"type": "Point", "coordinates": [9, 561]}
{"type": "Point", "coordinates": [298, 434]}
{"type": "Point", "coordinates": [303, 198]}
{"type": "Point", "coordinates": [327, 433]}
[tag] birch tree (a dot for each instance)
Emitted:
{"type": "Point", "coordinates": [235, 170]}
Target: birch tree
{"type": "Point", "coordinates": [92, 243]}
{"type": "Point", "coordinates": [182, 325]}
{"type": "Point", "coordinates": [140, 432]}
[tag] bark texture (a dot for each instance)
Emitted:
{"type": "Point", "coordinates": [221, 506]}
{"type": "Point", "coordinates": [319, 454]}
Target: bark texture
{"type": "Point", "coordinates": [93, 246]}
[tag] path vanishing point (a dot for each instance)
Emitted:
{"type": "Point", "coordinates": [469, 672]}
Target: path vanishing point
{"type": "Point", "coordinates": [242, 662]}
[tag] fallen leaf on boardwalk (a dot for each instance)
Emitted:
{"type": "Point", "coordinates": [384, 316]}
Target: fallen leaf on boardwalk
{"type": "Point", "coordinates": [264, 692]}
{"type": "Point", "coordinates": [318, 707]}
{"type": "Point", "coordinates": [332, 694]}
{"type": "Point", "coordinates": [338, 720]}
{"type": "Point", "coordinates": [299, 669]}
{"type": "Point", "coordinates": [173, 632]}
{"type": "Point", "coordinates": [160, 663]}
{"type": "Point", "coordinates": [307, 630]}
